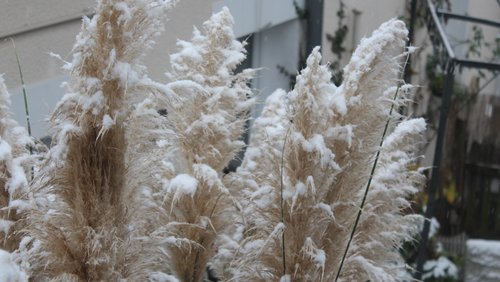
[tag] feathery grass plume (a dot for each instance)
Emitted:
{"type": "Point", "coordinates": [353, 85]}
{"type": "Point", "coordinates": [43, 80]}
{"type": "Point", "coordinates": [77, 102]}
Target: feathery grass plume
{"type": "Point", "coordinates": [208, 118]}
{"type": "Point", "coordinates": [302, 208]}
{"type": "Point", "coordinates": [14, 141]}
{"type": "Point", "coordinates": [370, 89]}
{"type": "Point", "coordinates": [214, 101]}
{"type": "Point", "coordinates": [383, 228]}
{"type": "Point", "coordinates": [79, 230]}
{"type": "Point", "coordinates": [148, 139]}
{"type": "Point", "coordinates": [270, 126]}
{"type": "Point", "coordinates": [282, 238]}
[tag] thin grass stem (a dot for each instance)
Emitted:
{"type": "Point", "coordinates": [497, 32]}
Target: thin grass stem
{"type": "Point", "coordinates": [367, 188]}
{"type": "Point", "coordinates": [363, 201]}
{"type": "Point", "coordinates": [26, 108]}
{"type": "Point", "coordinates": [283, 251]}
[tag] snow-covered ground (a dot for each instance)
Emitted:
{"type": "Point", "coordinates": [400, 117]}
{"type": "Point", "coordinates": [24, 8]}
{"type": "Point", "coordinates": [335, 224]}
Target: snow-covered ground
{"type": "Point", "coordinates": [483, 261]}
{"type": "Point", "coordinates": [440, 268]}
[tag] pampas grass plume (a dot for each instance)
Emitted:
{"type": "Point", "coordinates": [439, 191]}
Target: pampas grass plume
{"type": "Point", "coordinates": [134, 187]}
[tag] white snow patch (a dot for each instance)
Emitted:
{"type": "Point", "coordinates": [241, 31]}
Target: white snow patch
{"type": "Point", "coordinates": [404, 129]}
{"type": "Point", "coordinates": [93, 102]}
{"type": "Point", "coordinates": [261, 198]}
{"type": "Point", "coordinates": [440, 268]}
{"type": "Point", "coordinates": [341, 133]}
{"type": "Point", "coordinates": [17, 177]}
{"type": "Point", "coordinates": [9, 271]}
{"type": "Point", "coordinates": [254, 245]}
{"type": "Point", "coordinates": [483, 260]}
{"type": "Point", "coordinates": [434, 227]}
{"type": "Point", "coordinates": [5, 150]}
{"type": "Point", "coordinates": [107, 122]}
{"type": "Point", "coordinates": [411, 49]}
{"type": "Point", "coordinates": [65, 131]}
{"type": "Point", "coordinates": [162, 143]}
{"type": "Point", "coordinates": [338, 102]}
{"type": "Point", "coordinates": [20, 205]}
{"type": "Point", "coordinates": [318, 256]}
{"type": "Point", "coordinates": [327, 209]}
{"type": "Point", "coordinates": [483, 246]}
{"type": "Point", "coordinates": [405, 88]}
{"type": "Point", "coordinates": [208, 175]}
{"type": "Point", "coordinates": [183, 184]}
{"type": "Point", "coordinates": [286, 278]}
{"type": "Point", "coordinates": [162, 277]}
{"type": "Point", "coordinates": [123, 7]}
{"type": "Point", "coordinates": [5, 225]}
{"type": "Point", "coordinates": [125, 73]}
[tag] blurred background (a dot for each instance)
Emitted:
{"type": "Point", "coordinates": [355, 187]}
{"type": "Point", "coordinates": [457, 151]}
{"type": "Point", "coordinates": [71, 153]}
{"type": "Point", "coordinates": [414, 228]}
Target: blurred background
{"type": "Point", "coordinates": [456, 67]}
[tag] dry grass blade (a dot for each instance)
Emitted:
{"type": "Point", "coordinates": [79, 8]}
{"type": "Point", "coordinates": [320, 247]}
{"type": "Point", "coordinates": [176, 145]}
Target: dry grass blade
{"type": "Point", "coordinates": [81, 230]}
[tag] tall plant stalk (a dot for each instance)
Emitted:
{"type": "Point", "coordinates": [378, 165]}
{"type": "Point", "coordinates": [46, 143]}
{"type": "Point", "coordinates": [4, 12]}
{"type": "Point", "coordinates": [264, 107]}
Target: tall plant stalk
{"type": "Point", "coordinates": [25, 98]}
{"type": "Point", "coordinates": [283, 244]}
{"type": "Point", "coordinates": [374, 166]}
{"type": "Point", "coordinates": [368, 184]}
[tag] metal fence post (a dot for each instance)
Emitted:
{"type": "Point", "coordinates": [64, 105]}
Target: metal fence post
{"type": "Point", "coordinates": [438, 156]}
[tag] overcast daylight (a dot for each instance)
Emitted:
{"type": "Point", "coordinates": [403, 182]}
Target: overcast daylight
{"type": "Point", "coordinates": [250, 140]}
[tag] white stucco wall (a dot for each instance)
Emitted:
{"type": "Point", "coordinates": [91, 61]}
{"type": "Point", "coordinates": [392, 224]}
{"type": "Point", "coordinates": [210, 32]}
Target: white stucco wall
{"type": "Point", "coordinates": [372, 14]}
{"type": "Point", "coordinates": [42, 73]}
{"type": "Point", "coordinates": [276, 41]}
{"type": "Point", "coordinates": [256, 15]}
{"type": "Point", "coordinates": [40, 27]}
{"type": "Point", "coordinates": [486, 9]}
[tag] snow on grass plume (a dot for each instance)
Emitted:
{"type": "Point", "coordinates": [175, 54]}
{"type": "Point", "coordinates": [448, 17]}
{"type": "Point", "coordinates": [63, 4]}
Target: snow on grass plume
{"type": "Point", "coordinates": [138, 192]}
{"type": "Point", "coordinates": [9, 270]}
{"type": "Point", "coordinates": [207, 105]}
{"type": "Point", "coordinates": [327, 145]}
{"type": "Point", "coordinates": [298, 184]}
{"type": "Point", "coordinates": [86, 169]}
{"type": "Point", "coordinates": [14, 158]}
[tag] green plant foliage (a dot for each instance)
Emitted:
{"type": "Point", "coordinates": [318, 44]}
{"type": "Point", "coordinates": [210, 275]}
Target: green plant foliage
{"type": "Point", "coordinates": [337, 43]}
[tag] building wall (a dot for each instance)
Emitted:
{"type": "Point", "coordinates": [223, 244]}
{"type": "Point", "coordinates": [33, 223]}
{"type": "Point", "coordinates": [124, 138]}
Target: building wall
{"type": "Point", "coordinates": [40, 27]}
{"type": "Point", "coordinates": [370, 14]}
{"type": "Point", "coordinates": [362, 17]}
{"type": "Point", "coordinates": [277, 35]}
{"type": "Point", "coordinates": [486, 9]}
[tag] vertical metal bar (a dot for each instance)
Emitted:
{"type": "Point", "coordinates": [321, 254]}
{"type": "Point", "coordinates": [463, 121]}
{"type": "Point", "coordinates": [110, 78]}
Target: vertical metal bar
{"type": "Point", "coordinates": [355, 19]}
{"type": "Point", "coordinates": [438, 156]}
{"type": "Point", "coordinates": [440, 30]}
{"type": "Point", "coordinates": [314, 10]}
{"type": "Point", "coordinates": [411, 39]}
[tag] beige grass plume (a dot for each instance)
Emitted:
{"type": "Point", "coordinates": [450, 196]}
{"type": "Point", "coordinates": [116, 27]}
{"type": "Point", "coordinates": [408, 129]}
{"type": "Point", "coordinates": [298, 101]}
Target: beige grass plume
{"type": "Point", "coordinates": [373, 90]}
{"type": "Point", "coordinates": [301, 209]}
{"type": "Point", "coordinates": [207, 117]}
{"type": "Point", "coordinates": [13, 180]}
{"type": "Point", "coordinates": [286, 210]}
{"type": "Point", "coordinates": [79, 230]}
{"type": "Point", "coordinates": [162, 210]}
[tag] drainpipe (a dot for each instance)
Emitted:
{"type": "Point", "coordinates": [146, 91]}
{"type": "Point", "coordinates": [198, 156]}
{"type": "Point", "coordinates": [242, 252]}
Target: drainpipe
{"type": "Point", "coordinates": [354, 40]}
{"type": "Point", "coordinates": [314, 10]}
{"type": "Point", "coordinates": [411, 38]}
